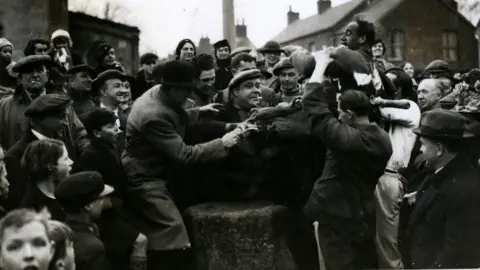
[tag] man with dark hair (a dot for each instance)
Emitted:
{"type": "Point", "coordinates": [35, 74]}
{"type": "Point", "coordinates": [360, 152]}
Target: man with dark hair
{"type": "Point", "coordinates": [80, 89]}
{"type": "Point", "coordinates": [341, 203]}
{"type": "Point", "coordinates": [442, 230]}
{"type": "Point", "coordinates": [37, 46]}
{"type": "Point", "coordinates": [223, 72]}
{"type": "Point", "coordinates": [145, 79]}
{"type": "Point", "coordinates": [205, 91]}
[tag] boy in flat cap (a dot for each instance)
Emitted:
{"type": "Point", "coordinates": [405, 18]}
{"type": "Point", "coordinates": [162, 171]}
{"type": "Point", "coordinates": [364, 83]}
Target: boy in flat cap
{"type": "Point", "coordinates": [79, 88]}
{"type": "Point", "coordinates": [102, 156]}
{"type": "Point", "coordinates": [223, 73]}
{"type": "Point", "coordinates": [82, 197]}
{"type": "Point", "coordinates": [145, 79]}
{"type": "Point", "coordinates": [48, 117]}
{"type": "Point", "coordinates": [33, 76]}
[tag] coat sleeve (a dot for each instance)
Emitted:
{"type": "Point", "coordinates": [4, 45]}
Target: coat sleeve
{"type": "Point", "coordinates": [406, 117]}
{"type": "Point", "coordinates": [334, 134]}
{"type": "Point", "coordinates": [164, 137]}
{"type": "Point", "coordinates": [80, 134]}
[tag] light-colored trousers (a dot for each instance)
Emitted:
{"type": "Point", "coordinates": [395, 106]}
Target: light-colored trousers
{"type": "Point", "coordinates": [388, 197]}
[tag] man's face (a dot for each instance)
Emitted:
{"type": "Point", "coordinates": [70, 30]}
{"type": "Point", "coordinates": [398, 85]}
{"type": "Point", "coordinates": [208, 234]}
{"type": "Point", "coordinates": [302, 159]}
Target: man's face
{"type": "Point", "coordinates": [207, 80]}
{"type": "Point", "coordinates": [428, 95]}
{"type": "Point", "coordinates": [114, 90]}
{"type": "Point", "coordinates": [109, 59]}
{"type": "Point", "coordinates": [95, 208]}
{"type": "Point", "coordinates": [148, 67]}
{"type": "Point", "coordinates": [272, 58]}
{"type": "Point", "coordinates": [431, 151]}
{"type": "Point", "coordinates": [223, 53]}
{"type": "Point", "coordinates": [81, 81]}
{"type": "Point", "coordinates": [108, 133]}
{"type": "Point", "coordinates": [248, 94]}
{"type": "Point", "coordinates": [350, 38]}
{"type": "Point", "coordinates": [34, 78]}
{"type": "Point", "coordinates": [27, 247]}
{"type": "Point", "coordinates": [178, 95]}
{"type": "Point", "coordinates": [6, 53]}
{"type": "Point", "coordinates": [40, 49]}
{"type": "Point", "coordinates": [288, 78]}
{"type": "Point", "coordinates": [4, 184]}
{"type": "Point", "coordinates": [60, 42]}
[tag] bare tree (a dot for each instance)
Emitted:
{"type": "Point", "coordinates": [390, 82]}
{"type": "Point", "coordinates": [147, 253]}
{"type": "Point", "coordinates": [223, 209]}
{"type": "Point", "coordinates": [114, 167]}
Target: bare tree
{"type": "Point", "coordinates": [115, 12]}
{"type": "Point", "coordinates": [110, 11]}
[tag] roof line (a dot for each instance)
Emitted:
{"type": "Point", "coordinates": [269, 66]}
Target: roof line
{"type": "Point", "coordinates": [459, 15]}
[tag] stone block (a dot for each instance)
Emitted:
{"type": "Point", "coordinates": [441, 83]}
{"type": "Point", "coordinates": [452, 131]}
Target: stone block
{"type": "Point", "coordinates": [239, 236]}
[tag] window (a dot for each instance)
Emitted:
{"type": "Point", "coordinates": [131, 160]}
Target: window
{"type": "Point", "coordinates": [311, 46]}
{"type": "Point", "coordinates": [450, 46]}
{"type": "Point", "coordinates": [397, 45]}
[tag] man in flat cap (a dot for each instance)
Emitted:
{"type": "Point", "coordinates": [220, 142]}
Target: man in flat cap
{"type": "Point", "coordinates": [80, 89]}
{"type": "Point", "coordinates": [223, 73]}
{"type": "Point", "coordinates": [82, 196]}
{"type": "Point", "coordinates": [145, 79]}
{"type": "Point", "coordinates": [33, 76]}
{"type": "Point", "coordinates": [271, 53]}
{"type": "Point", "coordinates": [155, 152]}
{"type": "Point", "coordinates": [49, 116]}
{"type": "Point", "coordinates": [442, 230]}
{"type": "Point", "coordinates": [111, 86]}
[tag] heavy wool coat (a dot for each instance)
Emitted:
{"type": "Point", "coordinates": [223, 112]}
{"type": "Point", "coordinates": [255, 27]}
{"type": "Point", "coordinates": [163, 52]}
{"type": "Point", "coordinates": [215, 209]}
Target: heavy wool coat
{"type": "Point", "coordinates": [443, 226]}
{"type": "Point", "coordinates": [155, 152]}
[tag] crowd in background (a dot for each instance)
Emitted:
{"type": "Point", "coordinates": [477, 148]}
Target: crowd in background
{"type": "Point", "coordinates": [101, 165]}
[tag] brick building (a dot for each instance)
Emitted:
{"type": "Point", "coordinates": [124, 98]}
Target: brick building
{"type": "Point", "coordinates": [27, 19]}
{"type": "Point", "coordinates": [414, 32]}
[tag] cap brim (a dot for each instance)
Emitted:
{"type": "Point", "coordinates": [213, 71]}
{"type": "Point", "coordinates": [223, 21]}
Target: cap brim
{"type": "Point", "coordinates": [106, 191]}
{"type": "Point", "coordinates": [466, 135]}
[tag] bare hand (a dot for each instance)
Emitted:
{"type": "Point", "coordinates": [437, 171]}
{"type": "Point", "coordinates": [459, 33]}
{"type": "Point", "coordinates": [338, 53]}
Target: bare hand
{"type": "Point", "coordinates": [213, 108]}
{"type": "Point", "coordinates": [140, 245]}
{"type": "Point", "coordinates": [376, 100]}
{"type": "Point", "coordinates": [323, 57]}
{"type": "Point", "coordinates": [231, 138]}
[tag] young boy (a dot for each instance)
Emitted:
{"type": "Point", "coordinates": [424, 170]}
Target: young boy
{"type": "Point", "coordinates": [62, 236]}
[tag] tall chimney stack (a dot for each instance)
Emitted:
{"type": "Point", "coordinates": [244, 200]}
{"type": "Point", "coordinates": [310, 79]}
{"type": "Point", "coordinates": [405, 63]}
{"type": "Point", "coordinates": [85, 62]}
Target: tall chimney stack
{"type": "Point", "coordinates": [323, 5]}
{"type": "Point", "coordinates": [229, 22]}
{"type": "Point", "coordinates": [292, 16]}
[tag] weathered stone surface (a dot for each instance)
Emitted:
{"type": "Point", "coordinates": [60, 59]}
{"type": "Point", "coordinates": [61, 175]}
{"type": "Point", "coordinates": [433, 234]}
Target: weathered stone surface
{"type": "Point", "coordinates": [239, 236]}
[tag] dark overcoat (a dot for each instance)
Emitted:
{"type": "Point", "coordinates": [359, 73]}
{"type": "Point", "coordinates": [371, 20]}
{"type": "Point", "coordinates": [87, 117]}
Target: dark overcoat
{"type": "Point", "coordinates": [155, 152]}
{"type": "Point", "coordinates": [443, 226]}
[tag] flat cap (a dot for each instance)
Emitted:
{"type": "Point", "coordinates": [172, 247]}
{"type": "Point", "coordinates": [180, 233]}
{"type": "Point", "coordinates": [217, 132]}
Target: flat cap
{"type": "Point", "coordinates": [244, 76]}
{"type": "Point", "coordinates": [81, 68]}
{"type": "Point", "coordinates": [148, 57]}
{"type": "Point", "coordinates": [282, 64]}
{"type": "Point", "coordinates": [30, 61]}
{"type": "Point", "coordinates": [240, 50]}
{"type": "Point", "coordinates": [437, 69]}
{"type": "Point", "coordinates": [107, 75]}
{"type": "Point", "coordinates": [80, 189]}
{"type": "Point", "coordinates": [48, 104]}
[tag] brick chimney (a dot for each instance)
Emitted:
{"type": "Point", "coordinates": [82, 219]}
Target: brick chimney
{"type": "Point", "coordinates": [292, 16]}
{"type": "Point", "coordinates": [323, 5]}
{"type": "Point", "coordinates": [241, 29]}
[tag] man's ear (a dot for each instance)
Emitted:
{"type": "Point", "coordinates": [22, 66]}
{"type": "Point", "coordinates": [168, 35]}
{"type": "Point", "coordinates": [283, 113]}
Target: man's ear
{"type": "Point", "coordinates": [362, 39]}
{"type": "Point", "coordinates": [351, 114]}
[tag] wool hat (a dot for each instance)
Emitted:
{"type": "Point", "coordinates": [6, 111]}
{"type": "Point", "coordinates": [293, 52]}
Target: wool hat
{"type": "Point", "coordinates": [440, 123]}
{"type": "Point", "coordinates": [47, 105]}
{"type": "Point", "coordinates": [281, 65]}
{"type": "Point", "coordinates": [178, 73]}
{"type": "Point", "coordinates": [271, 46]}
{"type": "Point", "coordinates": [81, 68]}
{"type": "Point", "coordinates": [5, 42]}
{"type": "Point", "coordinates": [222, 43]}
{"type": "Point", "coordinates": [244, 76]}
{"type": "Point", "coordinates": [147, 57]}
{"type": "Point", "coordinates": [240, 50]}
{"type": "Point", "coordinates": [97, 118]}
{"type": "Point", "coordinates": [108, 75]}
{"type": "Point", "coordinates": [101, 50]}
{"type": "Point", "coordinates": [80, 189]}
{"type": "Point", "coordinates": [61, 33]}
{"type": "Point", "coordinates": [25, 64]}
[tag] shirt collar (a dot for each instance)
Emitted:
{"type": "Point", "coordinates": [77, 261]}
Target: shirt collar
{"type": "Point", "coordinates": [39, 135]}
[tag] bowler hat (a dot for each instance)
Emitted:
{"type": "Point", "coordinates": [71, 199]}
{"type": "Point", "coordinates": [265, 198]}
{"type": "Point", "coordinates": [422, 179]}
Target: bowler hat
{"type": "Point", "coordinates": [30, 61]}
{"type": "Point", "coordinates": [443, 124]}
{"type": "Point", "coordinates": [81, 68]}
{"type": "Point", "coordinates": [178, 73]}
{"type": "Point", "coordinates": [282, 64]}
{"type": "Point", "coordinates": [244, 76]}
{"type": "Point", "coordinates": [108, 75]}
{"type": "Point", "coordinates": [48, 104]}
{"type": "Point", "coordinates": [80, 189]}
{"type": "Point", "coordinates": [271, 46]}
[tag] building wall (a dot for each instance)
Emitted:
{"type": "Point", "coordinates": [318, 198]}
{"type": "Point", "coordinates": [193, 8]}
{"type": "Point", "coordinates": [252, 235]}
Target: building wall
{"type": "Point", "coordinates": [317, 41]}
{"type": "Point", "coordinates": [423, 30]}
{"type": "Point", "coordinates": [85, 30]}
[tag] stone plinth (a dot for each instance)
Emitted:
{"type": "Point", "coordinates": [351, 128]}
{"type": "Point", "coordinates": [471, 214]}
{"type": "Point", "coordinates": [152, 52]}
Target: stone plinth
{"type": "Point", "coordinates": [239, 236]}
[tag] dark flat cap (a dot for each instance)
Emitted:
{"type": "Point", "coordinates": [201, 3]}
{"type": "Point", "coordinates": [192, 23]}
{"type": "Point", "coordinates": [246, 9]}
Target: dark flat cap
{"type": "Point", "coordinates": [97, 118]}
{"type": "Point", "coordinates": [81, 68]}
{"type": "Point", "coordinates": [178, 73]}
{"type": "Point", "coordinates": [283, 64]}
{"type": "Point", "coordinates": [244, 76]}
{"type": "Point", "coordinates": [47, 104]}
{"type": "Point", "coordinates": [30, 61]}
{"type": "Point", "coordinates": [80, 189]}
{"type": "Point", "coordinates": [108, 75]}
{"type": "Point", "coordinates": [148, 57]}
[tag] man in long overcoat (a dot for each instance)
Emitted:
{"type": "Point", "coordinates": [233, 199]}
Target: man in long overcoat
{"type": "Point", "coordinates": [155, 153]}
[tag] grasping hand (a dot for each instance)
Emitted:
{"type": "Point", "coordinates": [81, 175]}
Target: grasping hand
{"type": "Point", "coordinates": [213, 108]}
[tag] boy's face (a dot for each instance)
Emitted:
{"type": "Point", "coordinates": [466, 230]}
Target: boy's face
{"type": "Point", "coordinates": [108, 133]}
{"type": "Point", "coordinates": [27, 247]}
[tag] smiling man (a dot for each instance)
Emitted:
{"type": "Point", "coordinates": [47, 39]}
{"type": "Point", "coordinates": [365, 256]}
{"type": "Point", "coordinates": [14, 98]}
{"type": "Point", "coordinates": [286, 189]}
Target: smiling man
{"type": "Point", "coordinates": [80, 88]}
{"type": "Point", "coordinates": [205, 91]}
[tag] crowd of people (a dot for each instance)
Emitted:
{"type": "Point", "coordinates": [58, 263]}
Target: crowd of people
{"type": "Point", "coordinates": [101, 165]}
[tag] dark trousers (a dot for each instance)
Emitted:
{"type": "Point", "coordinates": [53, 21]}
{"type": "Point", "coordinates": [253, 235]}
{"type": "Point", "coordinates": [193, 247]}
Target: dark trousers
{"type": "Point", "coordinates": [169, 260]}
{"type": "Point", "coordinates": [301, 241]}
{"type": "Point", "coordinates": [348, 243]}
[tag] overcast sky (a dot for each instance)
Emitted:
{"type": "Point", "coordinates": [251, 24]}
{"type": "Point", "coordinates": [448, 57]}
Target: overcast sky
{"type": "Point", "coordinates": [163, 23]}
